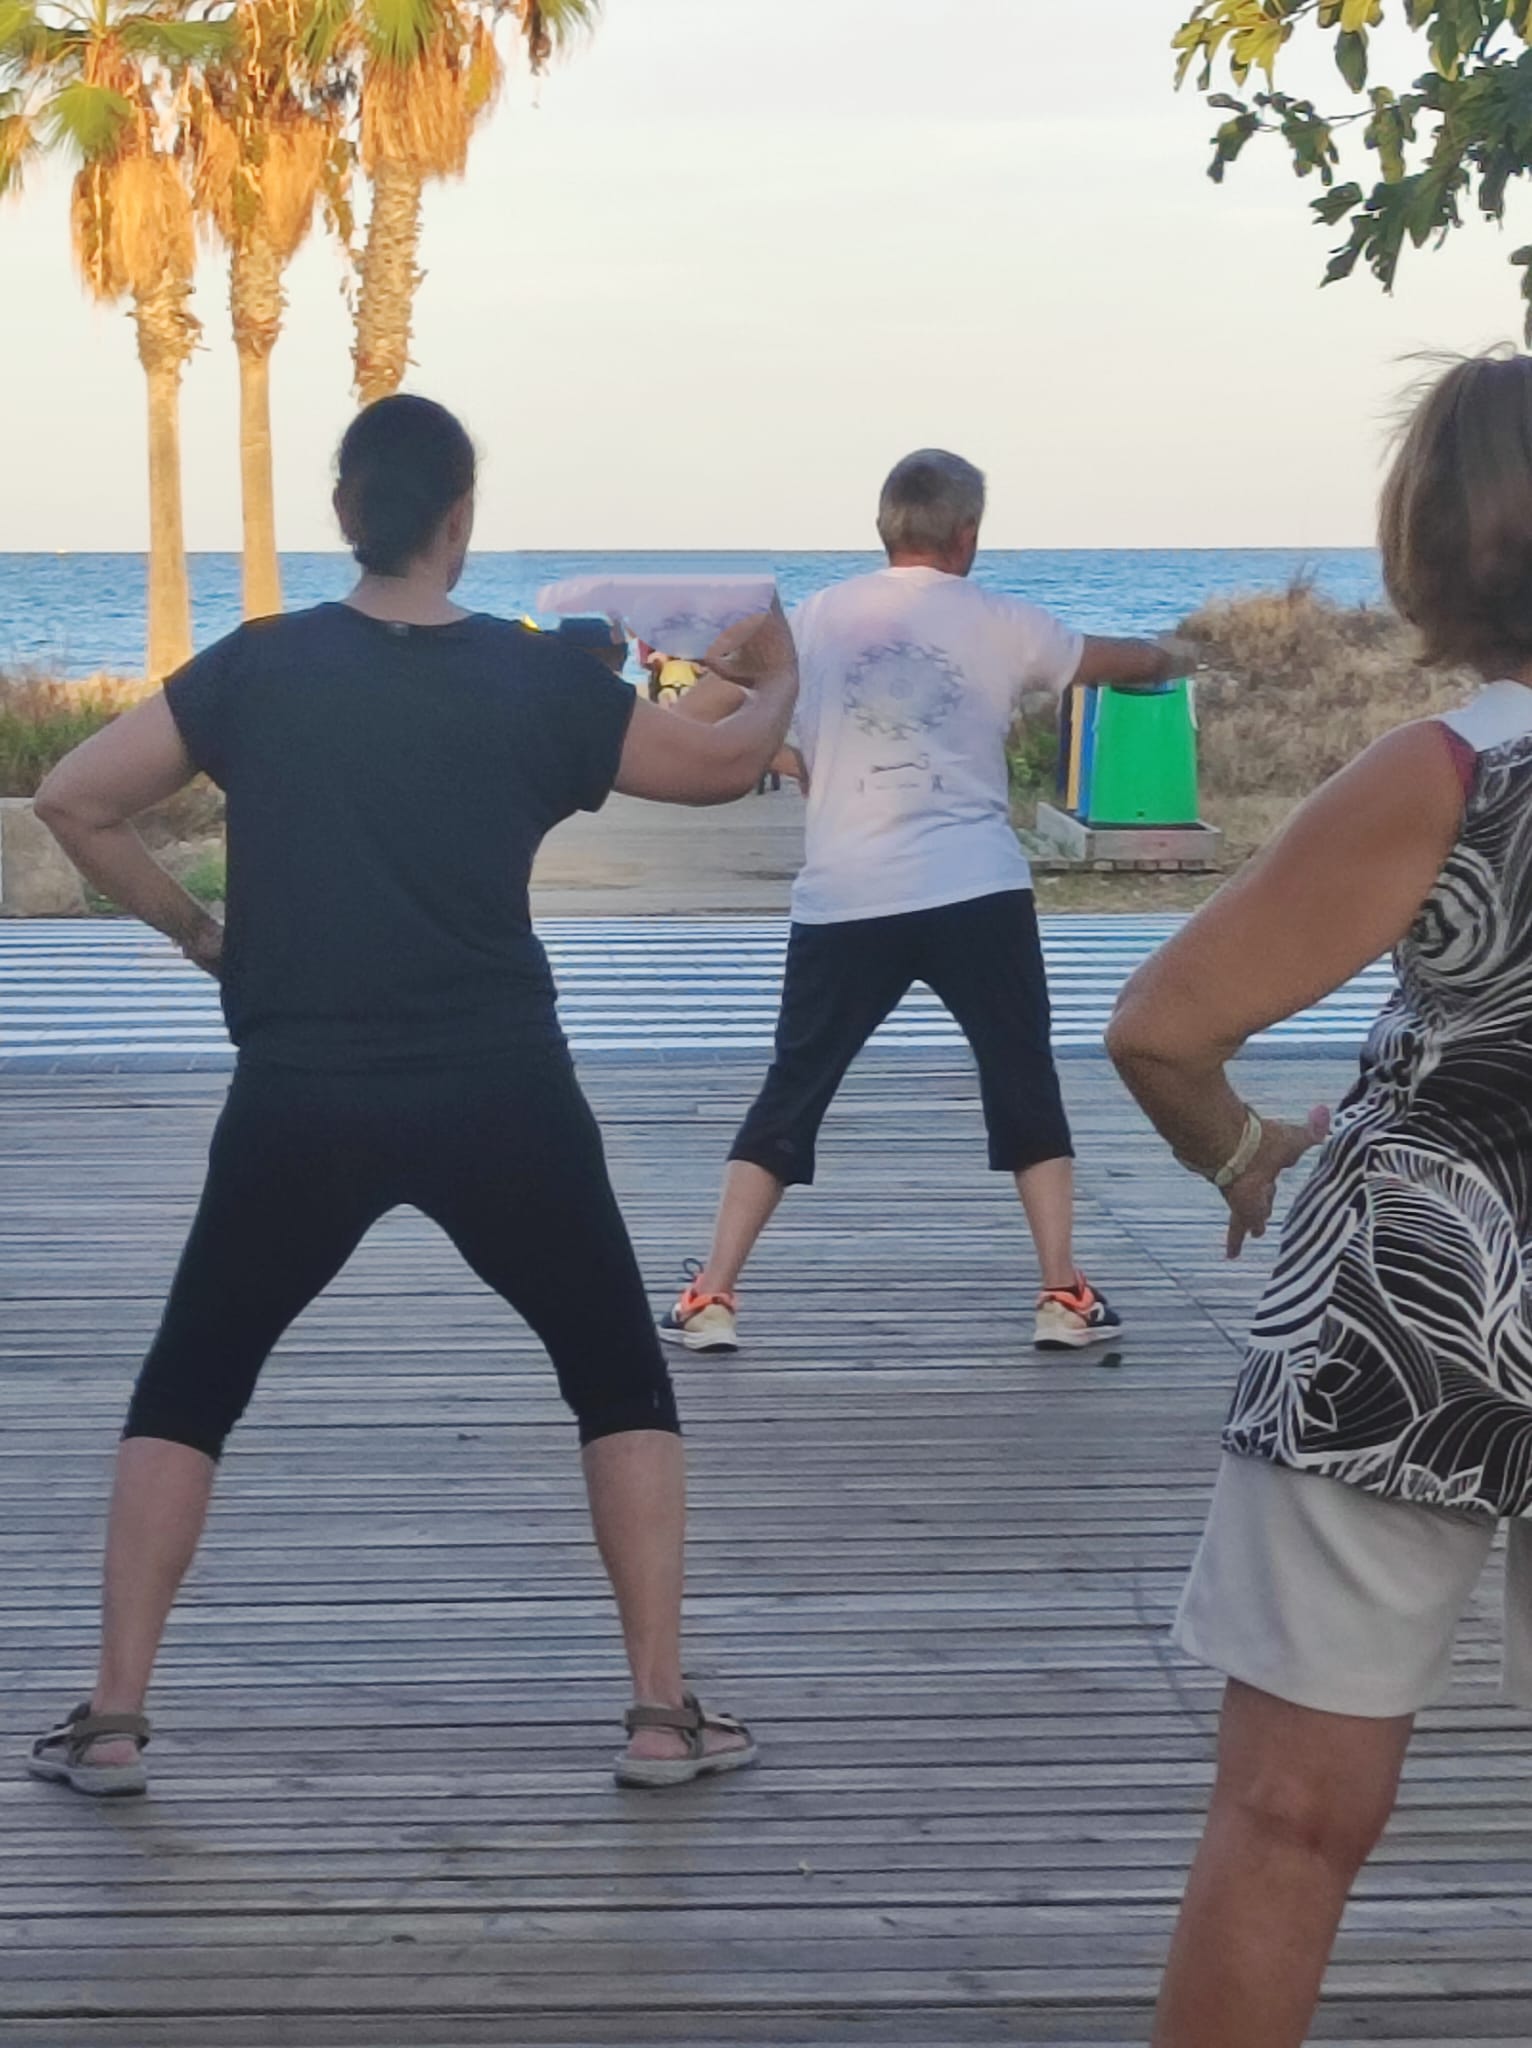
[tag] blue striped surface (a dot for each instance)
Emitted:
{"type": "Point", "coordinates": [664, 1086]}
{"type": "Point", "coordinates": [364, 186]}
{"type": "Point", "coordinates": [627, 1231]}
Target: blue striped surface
{"type": "Point", "coordinates": [108, 994]}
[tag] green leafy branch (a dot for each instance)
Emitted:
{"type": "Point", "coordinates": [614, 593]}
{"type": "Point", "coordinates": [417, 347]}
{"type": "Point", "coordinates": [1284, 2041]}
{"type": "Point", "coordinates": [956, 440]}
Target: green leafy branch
{"type": "Point", "coordinates": [1452, 141]}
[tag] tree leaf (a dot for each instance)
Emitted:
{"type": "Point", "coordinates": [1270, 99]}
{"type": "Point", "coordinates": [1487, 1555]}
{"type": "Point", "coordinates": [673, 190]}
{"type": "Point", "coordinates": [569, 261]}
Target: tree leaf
{"type": "Point", "coordinates": [1337, 204]}
{"type": "Point", "coordinates": [1351, 57]}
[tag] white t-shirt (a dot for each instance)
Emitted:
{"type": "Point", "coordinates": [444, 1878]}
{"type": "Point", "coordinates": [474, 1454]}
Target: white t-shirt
{"type": "Point", "coordinates": [910, 681]}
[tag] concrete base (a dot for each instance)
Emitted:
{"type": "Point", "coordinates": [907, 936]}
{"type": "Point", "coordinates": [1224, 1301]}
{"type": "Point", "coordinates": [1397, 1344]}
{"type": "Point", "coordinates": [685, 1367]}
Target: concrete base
{"type": "Point", "coordinates": [1166, 848]}
{"type": "Point", "coordinates": [36, 879]}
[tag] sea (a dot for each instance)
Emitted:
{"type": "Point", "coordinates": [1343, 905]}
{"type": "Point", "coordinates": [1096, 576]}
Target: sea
{"type": "Point", "coordinates": [76, 615]}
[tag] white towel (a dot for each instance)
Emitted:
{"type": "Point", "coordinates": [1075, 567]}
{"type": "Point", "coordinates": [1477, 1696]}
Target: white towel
{"type": "Point", "coordinates": [680, 615]}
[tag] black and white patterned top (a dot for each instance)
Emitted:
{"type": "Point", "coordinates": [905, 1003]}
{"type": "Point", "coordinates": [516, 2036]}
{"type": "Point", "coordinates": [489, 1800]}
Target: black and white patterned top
{"type": "Point", "coordinates": [1393, 1347]}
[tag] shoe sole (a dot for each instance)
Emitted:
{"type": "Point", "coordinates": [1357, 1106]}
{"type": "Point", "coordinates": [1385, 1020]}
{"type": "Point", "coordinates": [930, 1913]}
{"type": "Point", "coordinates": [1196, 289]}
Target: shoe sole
{"type": "Point", "coordinates": [94, 1781]}
{"type": "Point", "coordinates": [699, 1344]}
{"type": "Point", "coordinates": [655, 1774]}
{"type": "Point", "coordinates": [1086, 1341]}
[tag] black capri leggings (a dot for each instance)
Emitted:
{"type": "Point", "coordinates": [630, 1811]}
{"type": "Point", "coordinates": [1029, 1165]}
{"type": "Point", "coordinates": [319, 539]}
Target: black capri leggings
{"type": "Point", "coordinates": [507, 1158]}
{"type": "Point", "coordinates": [982, 957]}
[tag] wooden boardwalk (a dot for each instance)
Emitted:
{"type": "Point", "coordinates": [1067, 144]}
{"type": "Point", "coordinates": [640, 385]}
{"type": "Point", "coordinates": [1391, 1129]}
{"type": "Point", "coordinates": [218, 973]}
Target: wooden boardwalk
{"type": "Point", "coordinates": [933, 1570]}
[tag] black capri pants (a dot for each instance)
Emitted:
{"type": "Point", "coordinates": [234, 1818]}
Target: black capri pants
{"type": "Point", "coordinates": [982, 958]}
{"type": "Point", "coordinates": [506, 1157]}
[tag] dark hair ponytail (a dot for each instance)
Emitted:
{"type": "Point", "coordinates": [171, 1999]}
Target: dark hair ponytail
{"type": "Point", "coordinates": [403, 464]}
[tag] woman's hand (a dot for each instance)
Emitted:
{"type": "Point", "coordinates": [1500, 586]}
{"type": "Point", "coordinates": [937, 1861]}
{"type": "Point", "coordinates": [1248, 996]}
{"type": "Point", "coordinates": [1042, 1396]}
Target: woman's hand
{"type": "Point", "coordinates": [204, 947]}
{"type": "Point", "coordinates": [755, 650]}
{"type": "Point", "coordinates": [721, 738]}
{"type": "Point", "coordinates": [1251, 1197]}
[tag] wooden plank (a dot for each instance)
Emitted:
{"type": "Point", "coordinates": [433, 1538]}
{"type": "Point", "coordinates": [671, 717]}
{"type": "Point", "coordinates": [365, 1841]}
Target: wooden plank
{"type": "Point", "coordinates": [936, 1571]}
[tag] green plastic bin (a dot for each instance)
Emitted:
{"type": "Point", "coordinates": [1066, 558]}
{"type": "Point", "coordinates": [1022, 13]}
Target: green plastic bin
{"type": "Point", "coordinates": [1144, 770]}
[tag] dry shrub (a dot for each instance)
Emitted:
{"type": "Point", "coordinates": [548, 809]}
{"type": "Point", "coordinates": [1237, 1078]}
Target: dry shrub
{"type": "Point", "coordinates": [42, 720]}
{"type": "Point", "coordinates": [190, 817]}
{"type": "Point", "coordinates": [1295, 686]}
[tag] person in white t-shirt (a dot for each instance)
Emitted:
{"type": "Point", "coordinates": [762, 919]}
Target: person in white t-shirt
{"type": "Point", "coordinates": [911, 679]}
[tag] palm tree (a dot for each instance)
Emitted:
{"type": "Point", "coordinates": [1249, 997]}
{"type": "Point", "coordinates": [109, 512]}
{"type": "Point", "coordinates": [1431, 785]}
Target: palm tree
{"type": "Point", "coordinates": [102, 83]}
{"type": "Point", "coordinates": [427, 71]}
{"type": "Point", "coordinates": [266, 145]}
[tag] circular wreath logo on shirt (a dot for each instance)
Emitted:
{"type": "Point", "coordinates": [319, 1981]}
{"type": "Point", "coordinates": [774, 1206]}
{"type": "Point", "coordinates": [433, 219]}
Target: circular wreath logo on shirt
{"type": "Point", "coordinates": [899, 691]}
{"type": "Point", "coordinates": [679, 625]}
{"type": "Point", "coordinates": [695, 629]}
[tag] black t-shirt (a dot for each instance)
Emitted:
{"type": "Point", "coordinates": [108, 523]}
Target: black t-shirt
{"type": "Point", "coordinates": [388, 788]}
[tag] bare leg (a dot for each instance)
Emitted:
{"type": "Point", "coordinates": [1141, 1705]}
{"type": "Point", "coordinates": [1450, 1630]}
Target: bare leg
{"type": "Point", "coordinates": [1300, 1802]}
{"type": "Point", "coordinates": [1048, 1196]}
{"type": "Point", "coordinates": [637, 1486]}
{"type": "Point", "coordinates": [748, 1203]}
{"type": "Point", "coordinates": [159, 1505]}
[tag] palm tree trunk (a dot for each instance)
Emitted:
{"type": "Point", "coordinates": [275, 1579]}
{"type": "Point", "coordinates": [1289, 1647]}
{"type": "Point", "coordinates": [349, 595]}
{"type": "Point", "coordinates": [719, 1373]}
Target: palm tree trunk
{"type": "Point", "coordinates": [256, 303]}
{"type": "Point", "coordinates": [390, 277]}
{"type": "Point", "coordinates": [167, 333]}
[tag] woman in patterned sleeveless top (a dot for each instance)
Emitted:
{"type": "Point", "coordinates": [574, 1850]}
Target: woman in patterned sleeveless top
{"type": "Point", "coordinates": [1381, 1428]}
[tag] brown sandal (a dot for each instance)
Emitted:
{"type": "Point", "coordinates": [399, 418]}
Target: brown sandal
{"type": "Point", "coordinates": [694, 1723]}
{"type": "Point", "coordinates": [61, 1756]}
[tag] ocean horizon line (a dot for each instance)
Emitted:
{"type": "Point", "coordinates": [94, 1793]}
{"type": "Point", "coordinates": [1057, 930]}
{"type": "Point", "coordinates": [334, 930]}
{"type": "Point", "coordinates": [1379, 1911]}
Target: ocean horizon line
{"type": "Point", "coordinates": [82, 613]}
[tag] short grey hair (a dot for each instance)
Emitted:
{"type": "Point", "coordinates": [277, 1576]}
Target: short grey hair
{"type": "Point", "coordinates": [928, 500]}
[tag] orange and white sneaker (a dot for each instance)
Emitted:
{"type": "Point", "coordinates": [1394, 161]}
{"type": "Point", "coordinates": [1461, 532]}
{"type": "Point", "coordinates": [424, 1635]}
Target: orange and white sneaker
{"type": "Point", "coordinates": [702, 1322]}
{"type": "Point", "coordinates": [1074, 1318]}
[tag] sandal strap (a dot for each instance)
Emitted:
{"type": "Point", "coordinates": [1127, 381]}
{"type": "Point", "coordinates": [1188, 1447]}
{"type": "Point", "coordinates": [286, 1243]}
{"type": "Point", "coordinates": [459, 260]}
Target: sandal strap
{"type": "Point", "coordinates": [690, 1719]}
{"type": "Point", "coordinates": [725, 1724]}
{"type": "Point", "coordinates": [684, 1720]}
{"type": "Point", "coordinates": [80, 1728]}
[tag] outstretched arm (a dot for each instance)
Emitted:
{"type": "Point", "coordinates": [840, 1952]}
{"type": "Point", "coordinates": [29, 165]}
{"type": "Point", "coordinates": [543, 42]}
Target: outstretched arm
{"type": "Point", "coordinates": [1128, 664]}
{"type": "Point", "coordinates": [1339, 885]}
{"type": "Point", "coordinates": [88, 803]}
{"type": "Point", "coordinates": [721, 750]}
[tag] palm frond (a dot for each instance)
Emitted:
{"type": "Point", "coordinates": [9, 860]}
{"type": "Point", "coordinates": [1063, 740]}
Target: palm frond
{"type": "Point", "coordinates": [324, 29]}
{"type": "Point", "coordinates": [41, 47]}
{"type": "Point", "coordinates": [175, 44]}
{"type": "Point", "coordinates": [19, 25]}
{"type": "Point", "coordinates": [86, 121]}
{"type": "Point", "coordinates": [398, 31]}
{"type": "Point", "coordinates": [150, 234]}
{"type": "Point", "coordinates": [545, 26]}
{"type": "Point", "coordinates": [18, 142]}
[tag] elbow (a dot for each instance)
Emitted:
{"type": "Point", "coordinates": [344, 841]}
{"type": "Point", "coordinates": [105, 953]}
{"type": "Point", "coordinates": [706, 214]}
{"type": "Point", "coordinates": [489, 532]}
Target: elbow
{"type": "Point", "coordinates": [733, 776]}
{"type": "Point", "coordinates": [1134, 1039]}
{"type": "Point", "coordinates": [52, 807]}
{"type": "Point", "coordinates": [70, 809]}
{"type": "Point", "coordinates": [1145, 1037]}
{"type": "Point", "coordinates": [1121, 1038]}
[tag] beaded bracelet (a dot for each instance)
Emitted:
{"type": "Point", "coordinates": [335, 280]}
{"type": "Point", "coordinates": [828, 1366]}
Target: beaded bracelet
{"type": "Point", "coordinates": [1240, 1160]}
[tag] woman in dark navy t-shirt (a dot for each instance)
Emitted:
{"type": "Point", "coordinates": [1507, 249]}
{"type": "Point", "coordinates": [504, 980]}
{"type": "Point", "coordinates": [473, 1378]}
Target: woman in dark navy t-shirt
{"type": "Point", "coordinates": [391, 765]}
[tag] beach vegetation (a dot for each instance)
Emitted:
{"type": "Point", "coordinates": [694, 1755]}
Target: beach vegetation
{"type": "Point", "coordinates": [1449, 142]}
{"type": "Point", "coordinates": [1291, 687]}
{"type": "Point", "coordinates": [41, 721]}
{"type": "Point", "coordinates": [205, 875]}
{"type": "Point", "coordinates": [1288, 687]}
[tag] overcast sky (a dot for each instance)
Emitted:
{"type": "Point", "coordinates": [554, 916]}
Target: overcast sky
{"type": "Point", "coordinates": [736, 256]}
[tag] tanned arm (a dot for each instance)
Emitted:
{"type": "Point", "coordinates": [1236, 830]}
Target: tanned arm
{"type": "Point", "coordinates": [89, 802]}
{"type": "Point", "coordinates": [719, 751]}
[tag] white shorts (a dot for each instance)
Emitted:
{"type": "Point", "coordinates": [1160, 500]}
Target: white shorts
{"type": "Point", "coordinates": [1342, 1600]}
